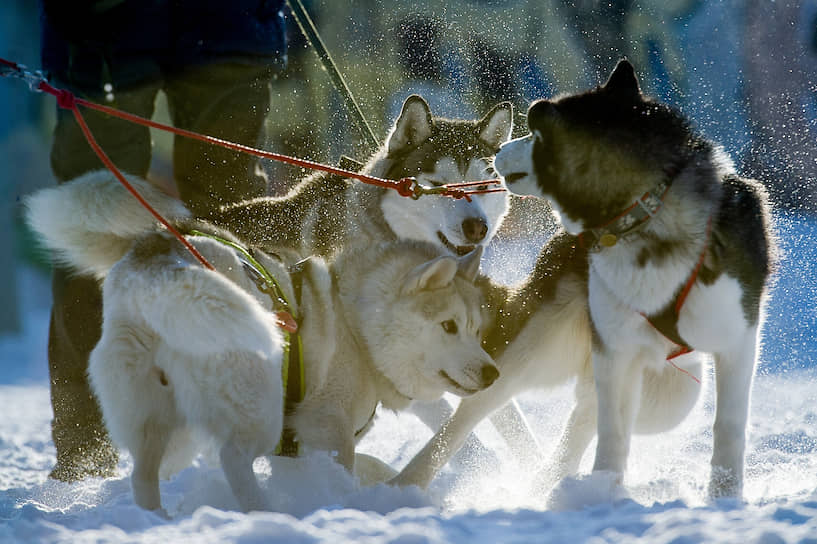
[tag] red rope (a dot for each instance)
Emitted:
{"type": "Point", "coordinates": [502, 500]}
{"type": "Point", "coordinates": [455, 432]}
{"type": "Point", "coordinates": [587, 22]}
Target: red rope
{"type": "Point", "coordinates": [683, 351]}
{"type": "Point", "coordinates": [405, 186]}
{"type": "Point", "coordinates": [67, 100]}
{"type": "Point", "coordinates": [68, 104]}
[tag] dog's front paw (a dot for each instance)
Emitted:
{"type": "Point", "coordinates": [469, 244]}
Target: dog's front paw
{"type": "Point", "coordinates": [575, 493]}
{"type": "Point", "coordinates": [724, 482]}
{"type": "Point", "coordinates": [404, 479]}
{"type": "Point", "coordinates": [162, 513]}
{"type": "Point", "coordinates": [371, 471]}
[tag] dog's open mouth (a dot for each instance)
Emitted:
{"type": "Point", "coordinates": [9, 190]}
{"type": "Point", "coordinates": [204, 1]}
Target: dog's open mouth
{"type": "Point", "coordinates": [514, 177]}
{"type": "Point", "coordinates": [459, 389]}
{"type": "Point", "coordinates": [456, 250]}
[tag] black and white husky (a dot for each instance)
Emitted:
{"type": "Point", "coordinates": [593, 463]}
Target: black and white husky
{"type": "Point", "coordinates": [666, 250]}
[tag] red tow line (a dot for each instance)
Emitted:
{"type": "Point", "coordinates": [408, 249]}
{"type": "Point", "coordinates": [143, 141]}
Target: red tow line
{"type": "Point", "coordinates": [407, 187]}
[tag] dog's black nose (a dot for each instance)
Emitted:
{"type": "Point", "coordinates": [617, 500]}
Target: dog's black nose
{"type": "Point", "coordinates": [489, 374]}
{"type": "Point", "coordinates": [475, 229]}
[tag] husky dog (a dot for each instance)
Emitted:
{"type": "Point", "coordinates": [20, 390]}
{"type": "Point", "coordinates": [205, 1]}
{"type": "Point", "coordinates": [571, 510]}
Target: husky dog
{"type": "Point", "coordinates": [680, 253]}
{"type": "Point", "coordinates": [187, 352]}
{"type": "Point", "coordinates": [675, 252]}
{"type": "Point", "coordinates": [539, 335]}
{"type": "Point", "coordinates": [325, 213]}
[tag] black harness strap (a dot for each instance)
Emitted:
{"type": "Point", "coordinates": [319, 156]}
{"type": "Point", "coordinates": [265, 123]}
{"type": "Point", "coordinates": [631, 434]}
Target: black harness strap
{"type": "Point", "coordinates": [666, 321]}
{"type": "Point", "coordinates": [294, 378]}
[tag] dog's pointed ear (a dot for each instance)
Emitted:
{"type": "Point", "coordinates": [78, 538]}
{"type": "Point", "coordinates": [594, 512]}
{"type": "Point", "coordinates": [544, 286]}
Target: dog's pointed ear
{"type": "Point", "coordinates": [468, 267]}
{"type": "Point", "coordinates": [623, 81]}
{"type": "Point", "coordinates": [495, 128]}
{"type": "Point", "coordinates": [433, 274]}
{"type": "Point", "coordinates": [412, 127]}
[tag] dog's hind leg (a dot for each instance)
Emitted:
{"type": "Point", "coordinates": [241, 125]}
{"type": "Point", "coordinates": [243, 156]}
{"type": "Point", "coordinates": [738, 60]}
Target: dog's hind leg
{"type": "Point", "coordinates": [236, 462]}
{"type": "Point", "coordinates": [136, 400]}
{"type": "Point", "coordinates": [576, 437]}
{"type": "Point", "coordinates": [734, 371]}
{"type": "Point", "coordinates": [147, 457]}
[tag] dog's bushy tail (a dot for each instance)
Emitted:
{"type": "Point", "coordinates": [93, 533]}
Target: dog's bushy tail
{"type": "Point", "coordinates": [91, 222]}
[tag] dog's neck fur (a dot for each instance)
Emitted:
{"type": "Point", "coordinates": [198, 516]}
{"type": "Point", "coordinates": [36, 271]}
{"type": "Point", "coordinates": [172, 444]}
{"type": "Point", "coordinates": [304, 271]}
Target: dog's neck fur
{"type": "Point", "coordinates": [346, 386]}
{"type": "Point", "coordinates": [348, 307]}
{"type": "Point", "coordinates": [668, 246]}
{"type": "Point", "coordinates": [352, 347]}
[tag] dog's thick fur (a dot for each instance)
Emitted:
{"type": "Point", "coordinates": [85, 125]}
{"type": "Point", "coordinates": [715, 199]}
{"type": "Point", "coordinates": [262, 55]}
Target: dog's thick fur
{"type": "Point", "coordinates": [592, 155]}
{"type": "Point", "coordinates": [325, 213]}
{"type": "Point", "coordinates": [187, 351]}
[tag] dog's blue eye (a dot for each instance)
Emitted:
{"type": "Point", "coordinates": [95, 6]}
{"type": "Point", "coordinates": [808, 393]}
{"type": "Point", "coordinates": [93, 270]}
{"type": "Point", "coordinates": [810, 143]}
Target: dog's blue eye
{"type": "Point", "coordinates": [450, 326]}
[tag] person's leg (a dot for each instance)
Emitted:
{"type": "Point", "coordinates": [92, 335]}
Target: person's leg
{"type": "Point", "coordinates": [127, 144]}
{"type": "Point", "coordinates": [229, 101]}
{"type": "Point", "coordinates": [82, 443]}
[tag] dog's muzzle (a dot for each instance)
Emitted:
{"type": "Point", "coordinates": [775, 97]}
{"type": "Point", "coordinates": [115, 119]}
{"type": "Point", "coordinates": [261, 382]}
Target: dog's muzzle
{"type": "Point", "coordinates": [488, 375]}
{"type": "Point", "coordinates": [456, 250]}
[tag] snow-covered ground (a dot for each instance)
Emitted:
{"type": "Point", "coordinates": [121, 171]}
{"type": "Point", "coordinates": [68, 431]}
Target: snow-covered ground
{"type": "Point", "coordinates": [481, 498]}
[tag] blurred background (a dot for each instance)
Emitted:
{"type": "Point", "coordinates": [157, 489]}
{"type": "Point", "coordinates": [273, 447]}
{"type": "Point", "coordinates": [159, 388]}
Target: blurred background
{"type": "Point", "coordinates": [745, 72]}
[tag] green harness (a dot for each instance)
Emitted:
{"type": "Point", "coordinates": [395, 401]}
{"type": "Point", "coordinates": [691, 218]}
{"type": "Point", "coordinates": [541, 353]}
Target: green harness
{"type": "Point", "coordinates": [292, 369]}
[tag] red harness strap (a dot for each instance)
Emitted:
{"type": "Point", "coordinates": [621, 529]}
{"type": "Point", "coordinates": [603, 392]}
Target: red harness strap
{"type": "Point", "coordinates": [674, 337]}
{"type": "Point", "coordinates": [691, 281]}
{"type": "Point", "coordinates": [68, 101]}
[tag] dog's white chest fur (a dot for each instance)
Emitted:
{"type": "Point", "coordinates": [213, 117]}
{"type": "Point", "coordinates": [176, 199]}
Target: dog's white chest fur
{"type": "Point", "coordinates": [710, 317]}
{"type": "Point", "coordinates": [646, 289]}
{"type": "Point", "coordinates": [621, 295]}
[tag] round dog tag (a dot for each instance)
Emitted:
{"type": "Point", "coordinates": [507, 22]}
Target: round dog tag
{"type": "Point", "coordinates": [608, 240]}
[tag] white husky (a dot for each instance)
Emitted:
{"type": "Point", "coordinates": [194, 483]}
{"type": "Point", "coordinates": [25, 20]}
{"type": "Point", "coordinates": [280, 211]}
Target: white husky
{"type": "Point", "coordinates": [667, 249]}
{"type": "Point", "coordinates": [188, 351]}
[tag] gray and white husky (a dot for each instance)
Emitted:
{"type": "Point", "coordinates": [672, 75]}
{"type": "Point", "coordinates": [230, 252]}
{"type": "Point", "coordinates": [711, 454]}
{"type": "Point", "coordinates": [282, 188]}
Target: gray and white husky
{"type": "Point", "coordinates": [325, 213]}
{"type": "Point", "coordinates": [187, 352]}
{"type": "Point", "coordinates": [666, 250]}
